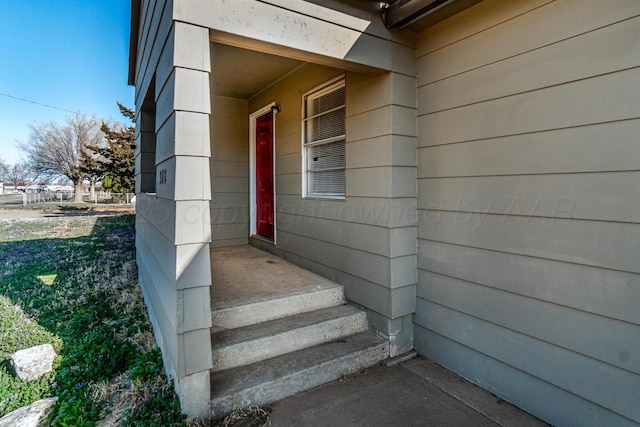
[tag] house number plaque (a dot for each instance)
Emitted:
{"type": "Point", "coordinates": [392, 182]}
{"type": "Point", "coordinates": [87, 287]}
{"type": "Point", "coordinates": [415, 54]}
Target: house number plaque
{"type": "Point", "coordinates": [163, 176]}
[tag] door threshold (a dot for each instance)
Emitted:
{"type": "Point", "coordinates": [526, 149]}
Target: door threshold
{"type": "Point", "coordinates": [263, 239]}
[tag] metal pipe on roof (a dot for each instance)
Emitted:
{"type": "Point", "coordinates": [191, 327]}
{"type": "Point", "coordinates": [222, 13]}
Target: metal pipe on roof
{"type": "Point", "coordinates": [420, 14]}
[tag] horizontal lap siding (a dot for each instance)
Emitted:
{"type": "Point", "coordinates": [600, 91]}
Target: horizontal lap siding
{"type": "Point", "coordinates": [156, 20]}
{"type": "Point", "coordinates": [346, 266]}
{"type": "Point", "coordinates": [154, 231]}
{"type": "Point", "coordinates": [550, 402]}
{"type": "Point", "coordinates": [528, 182]}
{"type": "Point", "coordinates": [229, 171]}
{"type": "Point", "coordinates": [156, 282]}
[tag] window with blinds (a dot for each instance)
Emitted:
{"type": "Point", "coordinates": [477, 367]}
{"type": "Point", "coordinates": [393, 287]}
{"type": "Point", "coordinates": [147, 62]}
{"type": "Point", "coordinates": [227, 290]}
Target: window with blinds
{"type": "Point", "coordinates": [324, 141]}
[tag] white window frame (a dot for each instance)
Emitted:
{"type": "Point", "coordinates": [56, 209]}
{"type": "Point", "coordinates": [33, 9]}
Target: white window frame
{"type": "Point", "coordinates": [316, 92]}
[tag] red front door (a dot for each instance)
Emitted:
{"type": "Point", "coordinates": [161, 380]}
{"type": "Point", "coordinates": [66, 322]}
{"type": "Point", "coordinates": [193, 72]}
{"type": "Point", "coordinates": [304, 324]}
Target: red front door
{"type": "Point", "coordinates": [264, 175]}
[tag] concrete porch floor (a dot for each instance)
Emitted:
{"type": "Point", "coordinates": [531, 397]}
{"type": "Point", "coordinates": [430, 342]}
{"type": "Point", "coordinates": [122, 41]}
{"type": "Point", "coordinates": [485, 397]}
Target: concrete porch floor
{"type": "Point", "coordinates": [243, 275]}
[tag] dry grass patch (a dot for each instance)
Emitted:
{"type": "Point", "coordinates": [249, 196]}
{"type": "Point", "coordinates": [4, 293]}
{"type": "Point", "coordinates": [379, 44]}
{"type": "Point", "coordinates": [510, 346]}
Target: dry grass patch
{"type": "Point", "coordinates": [251, 416]}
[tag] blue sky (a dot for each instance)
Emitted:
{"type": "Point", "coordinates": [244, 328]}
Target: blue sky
{"type": "Point", "coordinates": [70, 54]}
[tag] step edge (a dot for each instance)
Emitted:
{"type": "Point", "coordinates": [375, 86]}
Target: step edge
{"type": "Point", "coordinates": [359, 317]}
{"type": "Point", "coordinates": [303, 358]}
{"type": "Point", "coordinates": [265, 328]}
{"type": "Point", "coordinates": [374, 354]}
{"type": "Point", "coordinates": [233, 317]}
{"type": "Point", "coordinates": [329, 330]}
{"type": "Point", "coordinates": [337, 288]}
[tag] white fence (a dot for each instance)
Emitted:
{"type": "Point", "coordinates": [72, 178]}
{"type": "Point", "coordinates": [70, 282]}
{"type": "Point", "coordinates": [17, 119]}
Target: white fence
{"type": "Point", "coordinates": [47, 196]}
{"type": "Point", "coordinates": [101, 197]}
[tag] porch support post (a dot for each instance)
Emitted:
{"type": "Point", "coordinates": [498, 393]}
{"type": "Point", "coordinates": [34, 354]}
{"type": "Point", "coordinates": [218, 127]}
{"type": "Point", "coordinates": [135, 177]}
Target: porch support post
{"type": "Point", "coordinates": [184, 192]}
{"type": "Point", "coordinates": [389, 149]}
{"type": "Point", "coordinates": [402, 222]}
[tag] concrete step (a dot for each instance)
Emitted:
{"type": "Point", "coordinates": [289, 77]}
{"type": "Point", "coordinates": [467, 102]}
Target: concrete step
{"type": "Point", "coordinates": [273, 379]}
{"type": "Point", "coordinates": [324, 294]}
{"type": "Point", "coordinates": [243, 346]}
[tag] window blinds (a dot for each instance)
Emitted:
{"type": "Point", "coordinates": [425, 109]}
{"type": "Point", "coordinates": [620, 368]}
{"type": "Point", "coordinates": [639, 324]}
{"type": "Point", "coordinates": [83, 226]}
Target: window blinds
{"type": "Point", "coordinates": [324, 141]}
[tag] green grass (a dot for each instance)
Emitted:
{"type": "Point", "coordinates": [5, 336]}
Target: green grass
{"type": "Point", "coordinates": [72, 282]}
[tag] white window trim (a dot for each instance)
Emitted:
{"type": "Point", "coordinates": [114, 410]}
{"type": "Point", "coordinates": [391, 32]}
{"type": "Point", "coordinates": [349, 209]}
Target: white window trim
{"type": "Point", "coordinates": [253, 216]}
{"type": "Point", "coordinates": [318, 91]}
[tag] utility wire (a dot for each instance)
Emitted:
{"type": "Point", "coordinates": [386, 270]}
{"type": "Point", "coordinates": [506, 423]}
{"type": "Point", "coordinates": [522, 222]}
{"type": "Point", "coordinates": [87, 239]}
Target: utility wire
{"type": "Point", "coordinates": [47, 105]}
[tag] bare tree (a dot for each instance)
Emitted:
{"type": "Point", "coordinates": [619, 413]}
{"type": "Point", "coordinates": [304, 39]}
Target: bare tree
{"type": "Point", "coordinates": [55, 149]}
{"type": "Point", "coordinates": [19, 175]}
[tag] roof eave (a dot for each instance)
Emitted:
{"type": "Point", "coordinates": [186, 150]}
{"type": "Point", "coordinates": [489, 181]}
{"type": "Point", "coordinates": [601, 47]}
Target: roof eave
{"type": "Point", "coordinates": [133, 40]}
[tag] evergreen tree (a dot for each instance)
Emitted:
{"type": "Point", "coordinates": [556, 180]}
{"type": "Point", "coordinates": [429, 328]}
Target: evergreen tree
{"type": "Point", "coordinates": [114, 161]}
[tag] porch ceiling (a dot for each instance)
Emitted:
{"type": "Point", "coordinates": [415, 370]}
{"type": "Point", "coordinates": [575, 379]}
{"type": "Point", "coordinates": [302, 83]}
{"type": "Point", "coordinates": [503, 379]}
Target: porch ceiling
{"type": "Point", "coordinates": [242, 73]}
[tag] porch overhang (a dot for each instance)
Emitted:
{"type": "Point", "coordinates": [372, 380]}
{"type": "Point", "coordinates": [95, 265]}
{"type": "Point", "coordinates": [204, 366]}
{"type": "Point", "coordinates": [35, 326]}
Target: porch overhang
{"type": "Point", "coordinates": [302, 56]}
{"type": "Point", "coordinates": [303, 31]}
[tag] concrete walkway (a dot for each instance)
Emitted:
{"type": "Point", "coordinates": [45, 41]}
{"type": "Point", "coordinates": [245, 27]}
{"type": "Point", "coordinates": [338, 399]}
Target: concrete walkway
{"type": "Point", "coordinates": [413, 393]}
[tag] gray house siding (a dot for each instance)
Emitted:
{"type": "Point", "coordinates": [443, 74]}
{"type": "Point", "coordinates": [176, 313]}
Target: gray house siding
{"type": "Point", "coordinates": [229, 171]}
{"type": "Point", "coordinates": [528, 182]}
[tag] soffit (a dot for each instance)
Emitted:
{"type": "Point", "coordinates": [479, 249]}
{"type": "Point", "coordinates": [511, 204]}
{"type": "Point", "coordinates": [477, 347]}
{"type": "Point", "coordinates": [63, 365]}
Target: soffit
{"type": "Point", "coordinates": [242, 73]}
